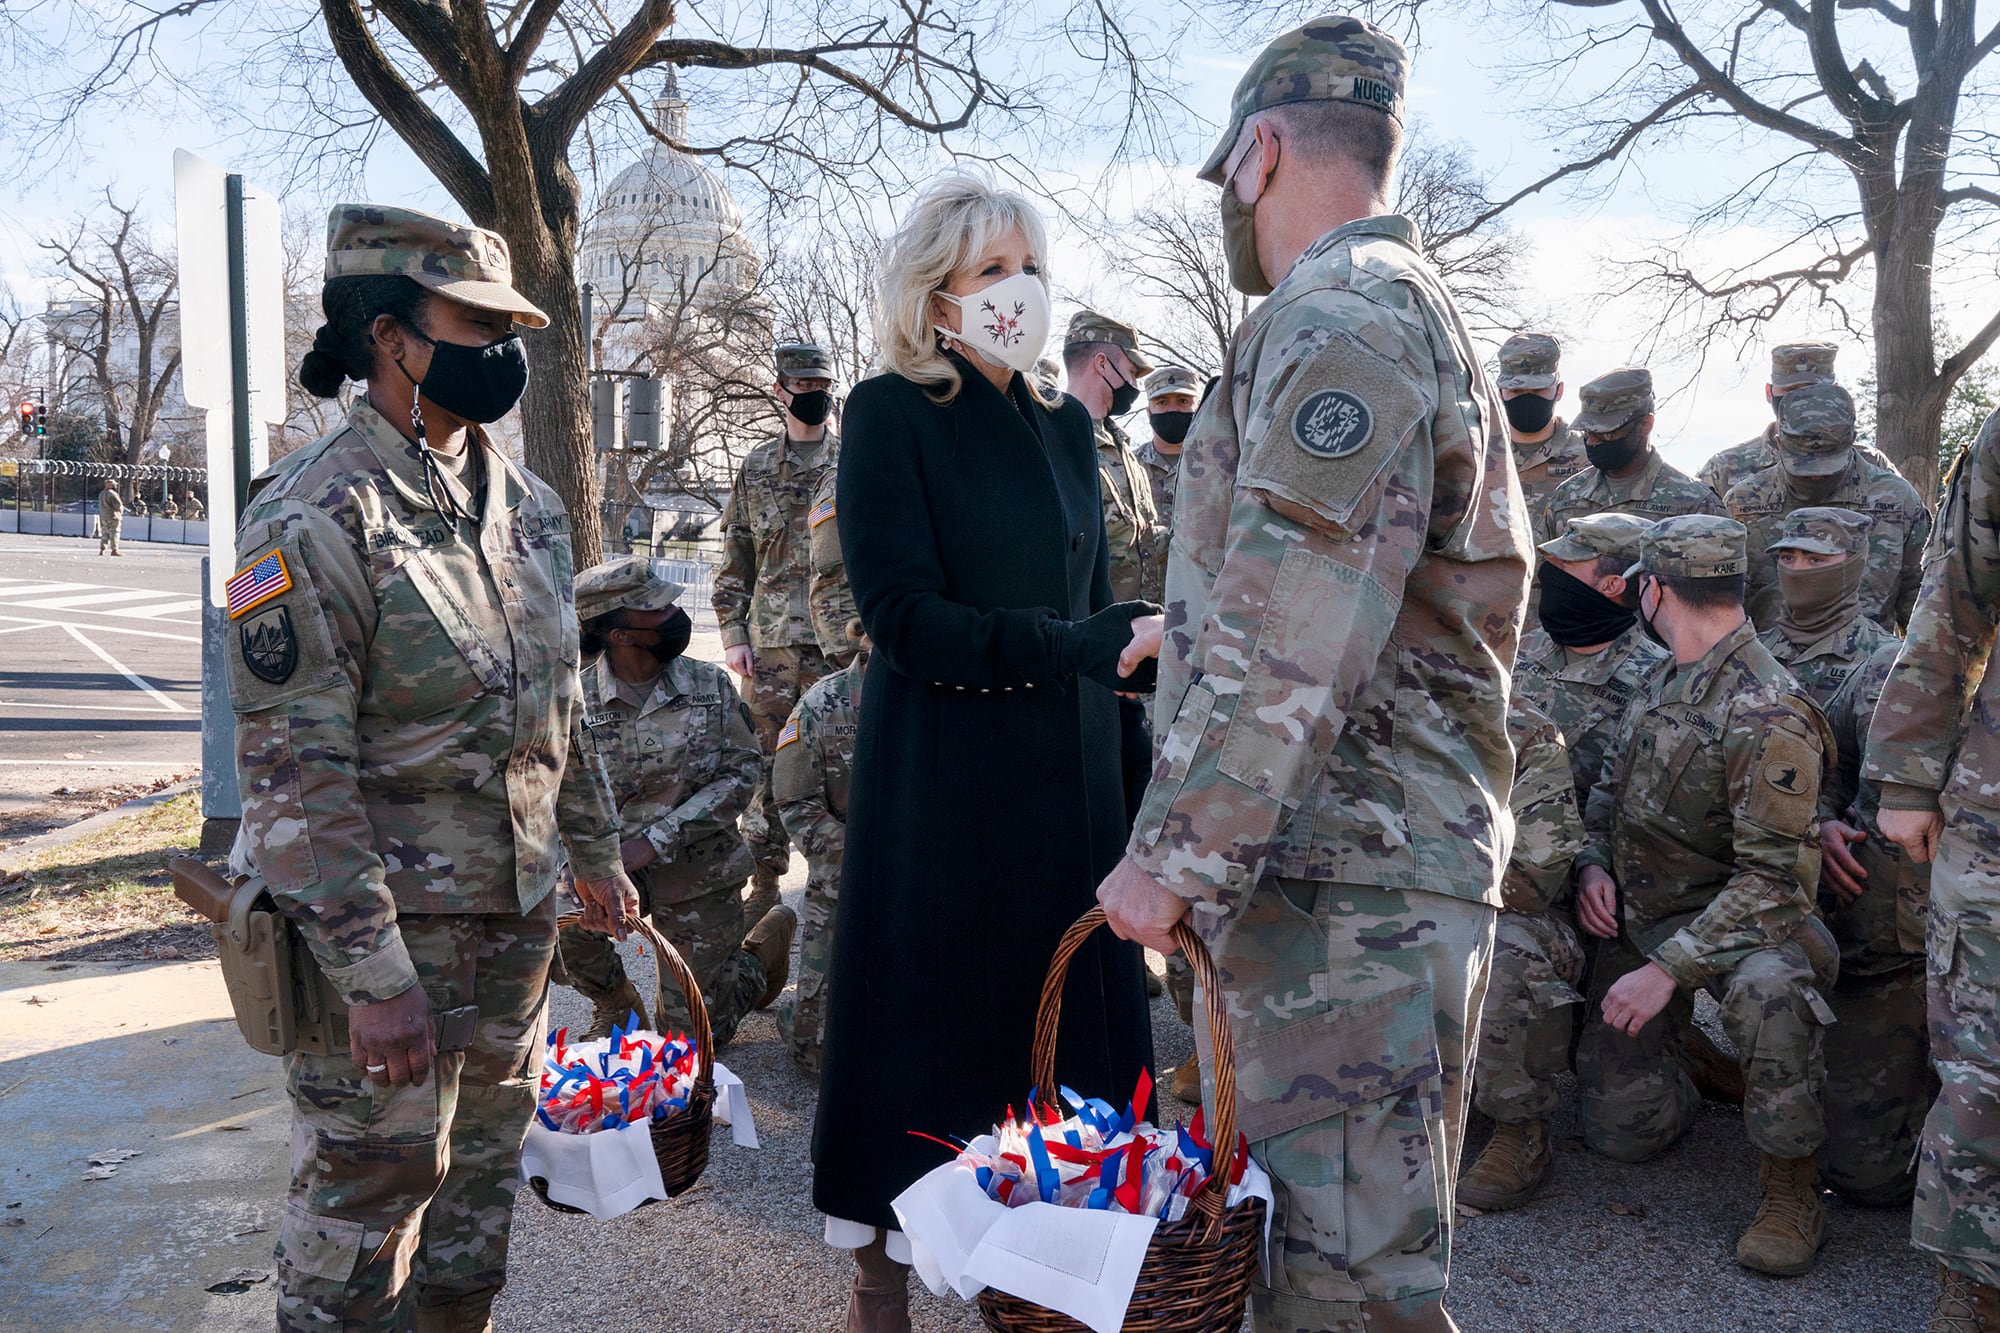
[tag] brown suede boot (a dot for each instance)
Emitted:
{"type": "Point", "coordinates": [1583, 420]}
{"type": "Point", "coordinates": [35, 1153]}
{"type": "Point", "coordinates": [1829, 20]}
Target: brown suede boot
{"type": "Point", "coordinates": [609, 1011]}
{"type": "Point", "coordinates": [763, 895]}
{"type": "Point", "coordinates": [880, 1299]}
{"type": "Point", "coordinates": [1784, 1238]}
{"type": "Point", "coordinates": [1155, 987]}
{"type": "Point", "coordinates": [1512, 1168]}
{"type": "Point", "coordinates": [1717, 1077]}
{"type": "Point", "coordinates": [467, 1314]}
{"type": "Point", "coordinates": [1963, 1306]}
{"type": "Point", "coordinates": [1186, 1085]}
{"type": "Point", "coordinates": [770, 943]}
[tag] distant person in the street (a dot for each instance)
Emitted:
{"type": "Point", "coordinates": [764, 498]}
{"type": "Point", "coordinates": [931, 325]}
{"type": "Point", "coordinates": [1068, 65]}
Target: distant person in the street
{"type": "Point", "coordinates": [1793, 366]}
{"type": "Point", "coordinates": [985, 791]}
{"type": "Point", "coordinates": [1346, 584]}
{"type": "Point", "coordinates": [194, 507]}
{"type": "Point", "coordinates": [676, 743]}
{"type": "Point", "coordinates": [1934, 753]}
{"type": "Point", "coordinates": [403, 663]}
{"type": "Point", "coordinates": [1818, 466]}
{"type": "Point", "coordinates": [1624, 473]}
{"type": "Point", "coordinates": [110, 515]}
{"type": "Point", "coordinates": [168, 509]}
{"type": "Point", "coordinates": [762, 591]}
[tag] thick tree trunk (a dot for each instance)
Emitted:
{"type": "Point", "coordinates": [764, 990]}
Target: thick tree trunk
{"type": "Point", "coordinates": [1909, 399]}
{"type": "Point", "coordinates": [555, 415]}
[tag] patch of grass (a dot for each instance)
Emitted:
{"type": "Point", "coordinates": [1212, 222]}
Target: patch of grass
{"type": "Point", "coordinates": [107, 896]}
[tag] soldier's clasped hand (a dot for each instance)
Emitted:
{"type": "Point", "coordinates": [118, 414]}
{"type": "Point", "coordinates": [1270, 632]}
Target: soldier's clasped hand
{"type": "Point", "coordinates": [609, 905]}
{"type": "Point", "coordinates": [391, 1040]}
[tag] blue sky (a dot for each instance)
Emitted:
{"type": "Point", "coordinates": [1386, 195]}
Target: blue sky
{"type": "Point", "coordinates": [1468, 86]}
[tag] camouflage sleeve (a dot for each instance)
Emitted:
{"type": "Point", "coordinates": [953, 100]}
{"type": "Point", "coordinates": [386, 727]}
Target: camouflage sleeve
{"type": "Point", "coordinates": [1921, 718]}
{"type": "Point", "coordinates": [1847, 717]}
{"type": "Point", "coordinates": [736, 579]}
{"type": "Point", "coordinates": [714, 806]}
{"type": "Point", "coordinates": [1914, 542]}
{"type": "Point", "coordinates": [586, 811]}
{"type": "Point", "coordinates": [1335, 461]}
{"type": "Point", "coordinates": [297, 752]}
{"type": "Point", "coordinates": [1548, 832]}
{"type": "Point", "coordinates": [798, 785]}
{"type": "Point", "coordinates": [1774, 753]}
{"type": "Point", "coordinates": [1600, 808]}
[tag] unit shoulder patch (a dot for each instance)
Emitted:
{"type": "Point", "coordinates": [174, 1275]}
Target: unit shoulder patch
{"type": "Point", "coordinates": [270, 645]}
{"type": "Point", "coordinates": [1333, 423]}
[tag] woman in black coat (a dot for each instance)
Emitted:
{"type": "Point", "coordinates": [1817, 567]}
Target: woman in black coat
{"type": "Point", "coordinates": [986, 802]}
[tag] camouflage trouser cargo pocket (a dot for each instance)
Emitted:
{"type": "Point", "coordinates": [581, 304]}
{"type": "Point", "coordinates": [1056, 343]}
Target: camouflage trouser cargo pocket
{"type": "Point", "coordinates": [1776, 1016]}
{"type": "Point", "coordinates": [1350, 1023]}
{"type": "Point", "coordinates": [1956, 1215]}
{"type": "Point", "coordinates": [319, 1247]}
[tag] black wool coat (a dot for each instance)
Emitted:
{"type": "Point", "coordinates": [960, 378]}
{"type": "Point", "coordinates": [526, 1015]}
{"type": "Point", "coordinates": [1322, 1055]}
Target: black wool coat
{"type": "Point", "coordinates": [986, 802]}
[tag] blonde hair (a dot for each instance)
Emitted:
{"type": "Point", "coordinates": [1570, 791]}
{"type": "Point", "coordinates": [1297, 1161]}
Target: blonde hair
{"type": "Point", "coordinates": [956, 217]}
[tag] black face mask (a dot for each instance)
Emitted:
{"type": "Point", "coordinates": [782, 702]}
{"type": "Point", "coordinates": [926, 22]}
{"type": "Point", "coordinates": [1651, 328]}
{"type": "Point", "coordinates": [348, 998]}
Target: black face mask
{"type": "Point", "coordinates": [1529, 412]}
{"type": "Point", "coordinates": [1577, 615]}
{"type": "Point", "coordinates": [1616, 453]}
{"type": "Point", "coordinates": [1171, 426]}
{"type": "Point", "coordinates": [479, 384]}
{"type": "Point", "coordinates": [1123, 396]}
{"type": "Point", "coordinates": [669, 640]}
{"type": "Point", "coordinates": [1646, 621]}
{"type": "Point", "coordinates": [813, 406]}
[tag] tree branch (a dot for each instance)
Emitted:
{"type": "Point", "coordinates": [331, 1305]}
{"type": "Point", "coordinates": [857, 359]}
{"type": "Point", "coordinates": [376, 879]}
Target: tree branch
{"type": "Point", "coordinates": [1966, 357]}
{"type": "Point", "coordinates": [554, 119]}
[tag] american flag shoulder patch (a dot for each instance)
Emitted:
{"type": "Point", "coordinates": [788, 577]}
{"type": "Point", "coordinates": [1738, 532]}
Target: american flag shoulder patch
{"type": "Point", "coordinates": [257, 583]}
{"type": "Point", "coordinates": [821, 512]}
{"type": "Point", "coordinates": [788, 735]}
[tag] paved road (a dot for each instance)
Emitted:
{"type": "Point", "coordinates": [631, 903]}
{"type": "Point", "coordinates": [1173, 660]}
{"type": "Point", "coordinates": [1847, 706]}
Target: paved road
{"type": "Point", "coordinates": [100, 665]}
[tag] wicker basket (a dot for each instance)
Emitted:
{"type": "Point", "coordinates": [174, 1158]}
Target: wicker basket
{"type": "Point", "coordinates": [681, 1140]}
{"type": "Point", "coordinates": [1196, 1277]}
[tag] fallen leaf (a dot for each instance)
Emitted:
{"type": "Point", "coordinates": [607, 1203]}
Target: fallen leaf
{"type": "Point", "coordinates": [164, 951]}
{"type": "Point", "coordinates": [47, 930]}
{"type": "Point", "coordinates": [113, 1156]}
{"type": "Point", "coordinates": [37, 1000]}
{"type": "Point", "coordinates": [170, 1041]}
{"type": "Point", "coordinates": [1467, 1210]}
{"type": "Point", "coordinates": [100, 1173]}
{"type": "Point", "coordinates": [15, 1204]}
{"type": "Point", "coordinates": [60, 967]}
{"type": "Point", "coordinates": [1628, 1210]}
{"type": "Point", "coordinates": [13, 1222]}
{"type": "Point", "coordinates": [1519, 1278]}
{"type": "Point", "coordinates": [239, 1282]}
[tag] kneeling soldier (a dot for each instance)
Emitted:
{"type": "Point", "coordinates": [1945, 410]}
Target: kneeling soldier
{"type": "Point", "coordinates": [676, 743]}
{"type": "Point", "coordinates": [1700, 873]}
{"type": "Point", "coordinates": [1527, 1019]}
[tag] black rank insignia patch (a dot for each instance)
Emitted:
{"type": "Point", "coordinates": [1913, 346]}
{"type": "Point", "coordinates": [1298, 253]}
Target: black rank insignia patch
{"type": "Point", "coordinates": [1332, 423]}
{"type": "Point", "coordinates": [270, 645]}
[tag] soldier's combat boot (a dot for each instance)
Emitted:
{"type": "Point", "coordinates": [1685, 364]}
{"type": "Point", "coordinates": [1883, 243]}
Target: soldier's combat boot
{"type": "Point", "coordinates": [607, 1012]}
{"type": "Point", "coordinates": [770, 943]}
{"type": "Point", "coordinates": [763, 895]}
{"type": "Point", "coordinates": [1155, 987]}
{"type": "Point", "coordinates": [1790, 1226]}
{"type": "Point", "coordinates": [1963, 1306]}
{"type": "Point", "coordinates": [880, 1299]}
{"type": "Point", "coordinates": [1717, 1077]}
{"type": "Point", "coordinates": [467, 1314]}
{"type": "Point", "coordinates": [1512, 1169]}
{"type": "Point", "coordinates": [1187, 1081]}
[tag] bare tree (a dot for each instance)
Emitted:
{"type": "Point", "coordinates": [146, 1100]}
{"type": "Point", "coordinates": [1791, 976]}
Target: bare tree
{"type": "Point", "coordinates": [120, 322]}
{"type": "Point", "coordinates": [1172, 250]}
{"type": "Point", "coordinates": [492, 98]}
{"type": "Point", "coordinates": [1791, 118]}
{"type": "Point", "coordinates": [1476, 252]}
{"type": "Point", "coordinates": [824, 291]}
{"type": "Point", "coordinates": [307, 416]}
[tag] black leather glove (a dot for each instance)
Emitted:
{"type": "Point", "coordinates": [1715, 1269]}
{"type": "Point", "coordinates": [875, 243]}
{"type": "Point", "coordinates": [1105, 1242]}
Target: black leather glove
{"type": "Point", "coordinates": [1090, 648]}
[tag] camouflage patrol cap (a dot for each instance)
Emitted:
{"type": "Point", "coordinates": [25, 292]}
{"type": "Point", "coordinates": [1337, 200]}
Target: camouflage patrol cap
{"type": "Point", "coordinates": [1692, 546]}
{"type": "Point", "coordinates": [1815, 430]}
{"type": "Point", "coordinates": [1611, 400]}
{"type": "Point", "coordinates": [1796, 364]}
{"type": "Point", "coordinates": [801, 361]}
{"type": "Point", "coordinates": [1087, 326]}
{"type": "Point", "coordinates": [1530, 361]}
{"type": "Point", "coordinates": [625, 584]}
{"type": "Point", "coordinates": [1823, 530]}
{"type": "Point", "coordinates": [1588, 536]}
{"type": "Point", "coordinates": [1170, 379]}
{"type": "Point", "coordinates": [1331, 59]}
{"type": "Point", "coordinates": [458, 261]}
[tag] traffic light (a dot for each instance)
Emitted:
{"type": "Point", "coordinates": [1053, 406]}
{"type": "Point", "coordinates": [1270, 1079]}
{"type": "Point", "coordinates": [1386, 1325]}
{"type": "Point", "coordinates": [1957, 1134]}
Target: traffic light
{"type": "Point", "coordinates": [28, 418]}
{"type": "Point", "coordinates": [607, 421]}
{"type": "Point", "coordinates": [643, 416]}
{"type": "Point", "coordinates": [41, 420]}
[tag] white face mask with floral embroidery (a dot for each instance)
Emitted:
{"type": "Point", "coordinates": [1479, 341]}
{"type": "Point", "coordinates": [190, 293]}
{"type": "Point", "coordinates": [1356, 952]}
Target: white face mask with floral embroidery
{"type": "Point", "coordinates": [1006, 324]}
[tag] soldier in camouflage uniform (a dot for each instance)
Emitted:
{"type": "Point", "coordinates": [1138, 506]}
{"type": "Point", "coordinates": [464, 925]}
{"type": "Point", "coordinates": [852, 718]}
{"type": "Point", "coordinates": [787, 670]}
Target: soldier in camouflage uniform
{"type": "Point", "coordinates": [1700, 875]}
{"type": "Point", "coordinates": [1626, 474]}
{"type": "Point", "coordinates": [1793, 366]}
{"type": "Point", "coordinates": [829, 600]}
{"type": "Point", "coordinates": [1528, 1018]}
{"type": "Point", "coordinates": [1818, 466]}
{"type": "Point", "coordinates": [1103, 363]}
{"type": "Point", "coordinates": [1547, 451]}
{"type": "Point", "coordinates": [1934, 750]}
{"type": "Point", "coordinates": [1821, 636]}
{"type": "Point", "coordinates": [762, 591]}
{"type": "Point", "coordinates": [110, 515]}
{"type": "Point", "coordinates": [1873, 898]}
{"type": "Point", "coordinates": [677, 745]}
{"type": "Point", "coordinates": [1172, 394]}
{"type": "Point", "coordinates": [403, 667]}
{"type": "Point", "coordinates": [1589, 659]}
{"type": "Point", "coordinates": [1330, 811]}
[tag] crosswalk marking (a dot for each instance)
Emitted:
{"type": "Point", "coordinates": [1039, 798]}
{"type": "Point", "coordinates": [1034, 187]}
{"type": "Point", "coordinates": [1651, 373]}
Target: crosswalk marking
{"type": "Point", "coordinates": [72, 602]}
{"type": "Point", "coordinates": [99, 599]}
